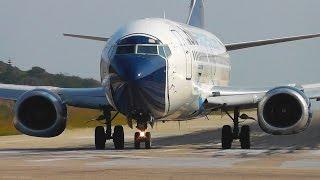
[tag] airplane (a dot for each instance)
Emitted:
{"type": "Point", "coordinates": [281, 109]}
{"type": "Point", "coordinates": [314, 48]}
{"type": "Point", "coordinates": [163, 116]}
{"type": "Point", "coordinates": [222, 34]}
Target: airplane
{"type": "Point", "coordinates": [156, 69]}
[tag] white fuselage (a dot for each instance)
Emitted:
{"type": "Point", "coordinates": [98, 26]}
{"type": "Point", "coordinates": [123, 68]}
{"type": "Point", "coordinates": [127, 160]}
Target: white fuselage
{"type": "Point", "coordinates": [198, 62]}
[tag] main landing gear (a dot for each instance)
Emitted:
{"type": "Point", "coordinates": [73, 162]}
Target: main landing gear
{"type": "Point", "coordinates": [229, 134]}
{"type": "Point", "coordinates": [142, 136]}
{"type": "Point", "coordinates": [102, 135]}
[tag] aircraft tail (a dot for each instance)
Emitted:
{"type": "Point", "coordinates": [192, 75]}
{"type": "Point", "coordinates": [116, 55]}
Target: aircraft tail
{"type": "Point", "coordinates": [196, 16]}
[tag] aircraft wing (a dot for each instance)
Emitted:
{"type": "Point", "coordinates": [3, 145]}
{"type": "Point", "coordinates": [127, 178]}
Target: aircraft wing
{"type": "Point", "coordinates": [95, 38]}
{"type": "Point", "coordinates": [93, 98]}
{"type": "Point", "coordinates": [245, 45]}
{"type": "Point", "coordinates": [248, 98]}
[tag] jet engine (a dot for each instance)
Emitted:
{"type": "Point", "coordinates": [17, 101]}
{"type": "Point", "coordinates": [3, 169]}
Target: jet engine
{"type": "Point", "coordinates": [40, 113]}
{"type": "Point", "coordinates": [284, 111]}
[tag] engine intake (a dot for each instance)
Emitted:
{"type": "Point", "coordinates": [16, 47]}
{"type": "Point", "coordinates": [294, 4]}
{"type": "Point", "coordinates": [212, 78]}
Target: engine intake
{"type": "Point", "coordinates": [284, 110]}
{"type": "Point", "coordinates": [40, 113]}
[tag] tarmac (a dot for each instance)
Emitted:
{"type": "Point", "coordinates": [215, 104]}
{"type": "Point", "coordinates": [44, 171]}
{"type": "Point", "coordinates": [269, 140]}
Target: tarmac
{"type": "Point", "coordinates": [189, 150]}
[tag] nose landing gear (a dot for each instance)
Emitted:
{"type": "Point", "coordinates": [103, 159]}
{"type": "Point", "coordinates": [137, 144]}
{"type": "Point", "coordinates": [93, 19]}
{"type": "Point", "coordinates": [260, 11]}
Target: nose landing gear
{"type": "Point", "coordinates": [142, 136]}
{"type": "Point", "coordinates": [229, 134]}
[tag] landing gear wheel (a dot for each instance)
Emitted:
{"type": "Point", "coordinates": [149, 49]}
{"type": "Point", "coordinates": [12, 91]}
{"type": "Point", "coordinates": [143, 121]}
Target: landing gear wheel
{"type": "Point", "coordinates": [227, 137]}
{"type": "Point", "coordinates": [245, 137]}
{"type": "Point", "coordinates": [148, 140]}
{"type": "Point", "coordinates": [100, 138]}
{"type": "Point", "coordinates": [118, 137]}
{"type": "Point", "coordinates": [136, 140]}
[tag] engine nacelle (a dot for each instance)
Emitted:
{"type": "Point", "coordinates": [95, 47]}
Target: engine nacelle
{"type": "Point", "coordinates": [284, 110]}
{"type": "Point", "coordinates": [40, 113]}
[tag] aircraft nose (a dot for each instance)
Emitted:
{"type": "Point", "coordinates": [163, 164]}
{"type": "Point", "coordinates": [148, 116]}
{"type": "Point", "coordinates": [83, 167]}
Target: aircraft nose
{"type": "Point", "coordinates": [139, 84]}
{"type": "Point", "coordinates": [133, 67]}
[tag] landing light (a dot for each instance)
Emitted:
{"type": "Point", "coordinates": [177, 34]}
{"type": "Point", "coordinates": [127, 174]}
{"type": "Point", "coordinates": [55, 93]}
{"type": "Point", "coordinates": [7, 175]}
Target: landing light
{"type": "Point", "coordinates": [142, 134]}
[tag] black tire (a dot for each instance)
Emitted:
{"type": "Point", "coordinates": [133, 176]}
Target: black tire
{"type": "Point", "coordinates": [245, 137]}
{"type": "Point", "coordinates": [118, 137]}
{"type": "Point", "coordinates": [136, 140]}
{"type": "Point", "coordinates": [100, 138]}
{"type": "Point", "coordinates": [148, 140]}
{"type": "Point", "coordinates": [227, 137]}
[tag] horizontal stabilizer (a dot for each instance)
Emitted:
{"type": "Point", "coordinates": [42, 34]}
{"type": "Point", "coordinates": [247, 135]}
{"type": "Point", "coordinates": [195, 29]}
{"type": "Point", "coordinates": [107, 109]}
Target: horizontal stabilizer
{"type": "Point", "coordinates": [95, 38]}
{"type": "Point", "coordinates": [244, 45]}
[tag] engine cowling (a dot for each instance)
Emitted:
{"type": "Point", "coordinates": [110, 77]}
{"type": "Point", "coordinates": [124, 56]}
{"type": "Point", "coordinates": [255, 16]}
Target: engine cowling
{"type": "Point", "coordinates": [284, 111]}
{"type": "Point", "coordinates": [40, 113]}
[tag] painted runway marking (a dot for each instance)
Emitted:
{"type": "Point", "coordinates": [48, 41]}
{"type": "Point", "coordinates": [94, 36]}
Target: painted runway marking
{"type": "Point", "coordinates": [128, 156]}
{"type": "Point", "coordinates": [48, 160]}
{"type": "Point", "coordinates": [231, 152]}
{"type": "Point", "coordinates": [315, 152]}
{"type": "Point", "coordinates": [10, 152]}
{"type": "Point", "coordinates": [171, 162]}
{"type": "Point", "coordinates": [165, 158]}
{"type": "Point", "coordinates": [240, 151]}
{"type": "Point", "coordinates": [19, 153]}
{"type": "Point", "coordinates": [170, 150]}
{"type": "Point", "coordinates": [301, 164]}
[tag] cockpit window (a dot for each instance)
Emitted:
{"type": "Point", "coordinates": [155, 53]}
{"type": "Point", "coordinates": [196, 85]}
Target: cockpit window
{"type": "Point", "coordinates": [142, 45]}
{"type": "Point", "coordinates": [161, 51]}
{"type": "Point", "coordinates": [130, 49]}
{"type": "Point", "coordinates": [147, 49]}
{"type": "Point", "coordinates": [167, 50]}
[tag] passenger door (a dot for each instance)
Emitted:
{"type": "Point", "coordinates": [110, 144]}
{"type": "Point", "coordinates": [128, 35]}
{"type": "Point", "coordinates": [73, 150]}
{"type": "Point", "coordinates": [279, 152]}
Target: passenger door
{"type": "Point", "coordinates": [188, 54]}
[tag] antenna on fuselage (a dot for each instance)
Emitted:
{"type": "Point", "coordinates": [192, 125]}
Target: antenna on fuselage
{"type": "Point", "coordinates": [164, 14]}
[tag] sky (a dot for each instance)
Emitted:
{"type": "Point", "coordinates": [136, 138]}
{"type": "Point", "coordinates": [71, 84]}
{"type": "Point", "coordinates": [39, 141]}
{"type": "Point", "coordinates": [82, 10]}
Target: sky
{"type": "Point", "coordinates": [31, 34]}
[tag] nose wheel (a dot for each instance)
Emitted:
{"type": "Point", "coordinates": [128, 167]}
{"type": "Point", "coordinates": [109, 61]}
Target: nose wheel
{"type": "Point", "coordinates": [228, 134]}
{"type": "Point", "coordinates": [140, 137]}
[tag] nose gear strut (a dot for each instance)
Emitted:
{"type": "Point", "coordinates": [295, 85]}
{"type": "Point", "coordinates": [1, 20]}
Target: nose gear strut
{"type": "Point", "coordinates": [143, 136]}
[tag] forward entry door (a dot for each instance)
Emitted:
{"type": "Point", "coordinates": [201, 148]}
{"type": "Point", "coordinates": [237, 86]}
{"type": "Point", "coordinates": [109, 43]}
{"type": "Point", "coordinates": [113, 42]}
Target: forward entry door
{"type": "Point", "coordinates": [187, 53]}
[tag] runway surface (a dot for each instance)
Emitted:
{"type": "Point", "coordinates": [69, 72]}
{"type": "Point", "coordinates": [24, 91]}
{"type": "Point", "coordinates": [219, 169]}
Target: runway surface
{"type": "Point", "coordinates": [189, 153]}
